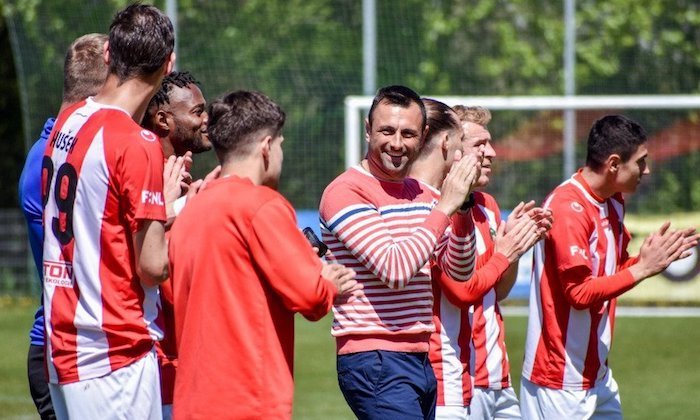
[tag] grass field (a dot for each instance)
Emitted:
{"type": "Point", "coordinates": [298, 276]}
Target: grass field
{"type": "Point", "coordinates": [655, 362]}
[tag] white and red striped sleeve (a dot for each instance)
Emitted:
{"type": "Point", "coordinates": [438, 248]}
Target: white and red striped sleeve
{"type": "Point", "coordinates": [456, 252]}
{"type": "Point", "coordinates": [362, 228]}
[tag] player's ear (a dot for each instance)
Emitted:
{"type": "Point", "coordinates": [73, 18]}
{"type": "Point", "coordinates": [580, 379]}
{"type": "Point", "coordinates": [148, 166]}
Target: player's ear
{"type": "Point", "coordinates": [161, 121]}
{"type": "Point", "coordinates": [368, 129]}
{"type": "Point", "coordinates": [105, 52]}
{"type": "Point", "coordinates": [613, 162]}
{"type": "Point", "coordinates": [444, 142]}
{"type": "Point", "coordinates": [265, 146]}
{"type": "Point", "coordinates": [171, 63]}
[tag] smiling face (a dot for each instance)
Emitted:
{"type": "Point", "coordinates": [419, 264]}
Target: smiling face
{"type": "Point", "coordinates": [187, 120]}
{"type": "Point", "coordinates": [477, 140]}
{"type": "Point", "coordinates": [394, 139]}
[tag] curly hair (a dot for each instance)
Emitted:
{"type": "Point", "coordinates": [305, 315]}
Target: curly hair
{"type": "Point", "coordinates": [180, 79]}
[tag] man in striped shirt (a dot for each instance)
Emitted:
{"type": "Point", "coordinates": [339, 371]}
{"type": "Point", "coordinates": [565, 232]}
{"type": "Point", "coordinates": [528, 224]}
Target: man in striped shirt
{"type": "Point", "coordinates": [386, 227]}
{"type": "Point", "coordinates": [580, 269]}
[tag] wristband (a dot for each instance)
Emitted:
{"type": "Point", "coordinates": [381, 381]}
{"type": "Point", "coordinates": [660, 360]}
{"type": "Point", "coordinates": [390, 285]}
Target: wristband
{"type": "Point", "coordinates": [468, 204]}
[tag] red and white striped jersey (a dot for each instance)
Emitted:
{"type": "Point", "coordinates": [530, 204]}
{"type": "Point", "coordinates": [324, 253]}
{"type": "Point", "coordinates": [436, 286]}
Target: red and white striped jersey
{"type": "Point", "coordinates": [489, 365]}
{"type": "Point", "coordinates": [387, 232]}
{"type": "Point", "coordinates": [578, 271]}
{"type": "Point", "coordinates": [102, 176]}
{"type": "Point", "coordinates": [468, 347]}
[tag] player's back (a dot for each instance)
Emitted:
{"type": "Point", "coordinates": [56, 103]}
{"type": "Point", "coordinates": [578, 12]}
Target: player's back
{"type": "Point", "coordinates": [101, 178]}
{"type": "Point", "coordinates": [240, 268]}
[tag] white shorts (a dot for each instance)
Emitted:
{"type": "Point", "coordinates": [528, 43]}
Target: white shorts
{"type": "Point", "coordinates": [131, 392]}
{"type": "Point", "coordinates": [451, 412]}
{"type": "Point", "coordinates": [494, 404]}
{"type": "Point", "coordinates": [600, 402]}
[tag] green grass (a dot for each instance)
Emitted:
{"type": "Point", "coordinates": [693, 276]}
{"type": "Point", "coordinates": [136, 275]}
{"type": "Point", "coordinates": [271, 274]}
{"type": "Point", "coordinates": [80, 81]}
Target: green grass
{"type": "Point", "coordinates": [16, 317]}
{"type": "Point", "coordinates": [654, 360]}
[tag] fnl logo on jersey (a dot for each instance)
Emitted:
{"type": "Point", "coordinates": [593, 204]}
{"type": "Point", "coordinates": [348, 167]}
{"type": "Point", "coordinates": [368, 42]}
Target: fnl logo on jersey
{"type": "Point", "coordinates": [152, 197]}
{"type": "Point", "coordinates": [58, 273]}
{"type": "Point", "coordinates": [576, 250]}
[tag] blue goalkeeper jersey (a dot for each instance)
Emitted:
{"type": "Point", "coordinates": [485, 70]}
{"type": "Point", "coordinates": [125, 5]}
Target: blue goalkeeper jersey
{"type": "Point", "coordinates": [30, 201]}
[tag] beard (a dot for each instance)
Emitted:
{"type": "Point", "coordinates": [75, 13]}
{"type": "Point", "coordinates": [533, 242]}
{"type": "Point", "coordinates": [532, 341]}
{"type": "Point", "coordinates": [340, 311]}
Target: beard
{"type": "Point", "coordinates": [194, 142]}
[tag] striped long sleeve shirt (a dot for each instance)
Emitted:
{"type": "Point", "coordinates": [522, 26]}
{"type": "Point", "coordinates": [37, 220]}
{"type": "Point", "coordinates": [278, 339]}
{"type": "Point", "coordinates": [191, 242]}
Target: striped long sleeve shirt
{"type": "Point", "coordinates": [388, 232]}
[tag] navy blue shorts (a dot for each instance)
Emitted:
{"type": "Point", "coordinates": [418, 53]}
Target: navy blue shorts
{"type": "Point", "coordinates": [388, 385]}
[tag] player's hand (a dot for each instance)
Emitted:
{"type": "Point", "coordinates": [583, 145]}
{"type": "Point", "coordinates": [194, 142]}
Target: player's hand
{"type": "Point", "coordinates": [690, 240]}
{"type": "Point", "coordinates": [542, 217]}
{"type": "Point", "coordinates": [344, 279]}
{"type": "Point", "coordinates": [201, 184]}
{"type": "Point", "coordinates": [315, 248]}
{"type": "Point", "coordinates": [523, 234]}
{"type": "Point", "coordinates": [663, 247]}
{"type": "Point", "coordinates": [185, 175]}
{"type": "Point", "coordinates": [174, 176]}
{"type": "Point", "coordinates": [459, 182]}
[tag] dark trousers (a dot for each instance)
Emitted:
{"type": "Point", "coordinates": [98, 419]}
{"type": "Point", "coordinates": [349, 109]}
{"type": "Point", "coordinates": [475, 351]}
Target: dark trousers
{"type": "Point", "coordinates": [388, 385]}
{"type": "Point", "coordinates": [38, 383]}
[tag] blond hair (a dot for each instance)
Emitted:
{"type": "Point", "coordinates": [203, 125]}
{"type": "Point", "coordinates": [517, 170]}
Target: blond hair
{"type": "Point", "coordinates": [84, 69]}
{"type": "Point", "coordinates": [473, 114]}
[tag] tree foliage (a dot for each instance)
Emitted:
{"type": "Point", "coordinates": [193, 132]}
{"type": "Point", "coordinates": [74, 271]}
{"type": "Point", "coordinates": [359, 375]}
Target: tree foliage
{"type": "Point", "coordinates": [307, 55]}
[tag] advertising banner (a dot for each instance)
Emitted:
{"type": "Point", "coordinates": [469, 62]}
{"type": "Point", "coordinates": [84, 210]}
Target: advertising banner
{"type": "Point", "coordinates": [679, 284]}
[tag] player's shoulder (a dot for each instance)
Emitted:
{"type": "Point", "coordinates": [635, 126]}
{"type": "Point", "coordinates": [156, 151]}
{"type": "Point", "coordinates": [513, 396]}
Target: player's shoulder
{"type": "Point", "coordinates": [121, 127]}
{"type": "Point", "coordinates": [571, 210]}
{"type": "Point", "coordinates": [566, 198]}
{"type": "Point", "coordinates": [245, 192]}
{"type": "Point", "coordinates": [348, 185]}
{"type": "Point", "coordinates": [351, 177]}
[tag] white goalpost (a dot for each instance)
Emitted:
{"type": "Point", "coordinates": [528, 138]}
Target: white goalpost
{"type": "Point", "coordinates": [357, 106]}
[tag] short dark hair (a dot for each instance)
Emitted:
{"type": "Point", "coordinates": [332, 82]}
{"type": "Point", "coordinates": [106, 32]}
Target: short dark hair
{"type": "Point", "coordinates": [141, 40]}
{"type": "Point", "coordinates": [397, 95]}
{"type": "Point", "coordinates": [440, 118]}
{"type": "Point", "coordinates": [84, 68]}
{"type": "Point", "coordinates": [613, 134]}
{"type": "Point", "coordinates": [235, 117]}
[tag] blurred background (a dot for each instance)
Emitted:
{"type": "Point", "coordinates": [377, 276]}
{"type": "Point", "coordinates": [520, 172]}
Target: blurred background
{"type": "Point", "coordinates": [310, 55]}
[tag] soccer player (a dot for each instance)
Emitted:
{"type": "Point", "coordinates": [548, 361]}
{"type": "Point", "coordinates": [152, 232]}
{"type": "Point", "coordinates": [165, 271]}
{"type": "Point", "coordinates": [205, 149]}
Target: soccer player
{"type": "Point", "coordinates": [387, 226]}
{"type": "Point", "coordinates": [84, 72]}
{"type": "Point", "coordinates": [241, 269]}
{"type": "Point", "coordinates": [468, 350]}
{"type": "Point", "coordinates": [177, 114]}
{"type": "Point", "coordinates": [580, 269]}
{"type": "Point", "coordinates": [104, 244]}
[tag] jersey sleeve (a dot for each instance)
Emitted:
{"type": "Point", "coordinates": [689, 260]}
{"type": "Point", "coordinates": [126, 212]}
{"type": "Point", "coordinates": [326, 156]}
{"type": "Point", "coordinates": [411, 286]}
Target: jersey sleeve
{"type": "Point", "coordinates": [286, 260]}
{"type": "Point", "coordinates": [30, 200]}
{"type": "Point", "coordinates": [489, 268]}
{"type": "Point", "coordinates": [462, 294]}
{"type": "Point", "coordinates": [455, 254]}
{"type": "Point", "coordinates": [354, 221]}
{"type": "Point", "coordinates": [141, 180]}
{"type": "Point", "coordinates": [568, 243]}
